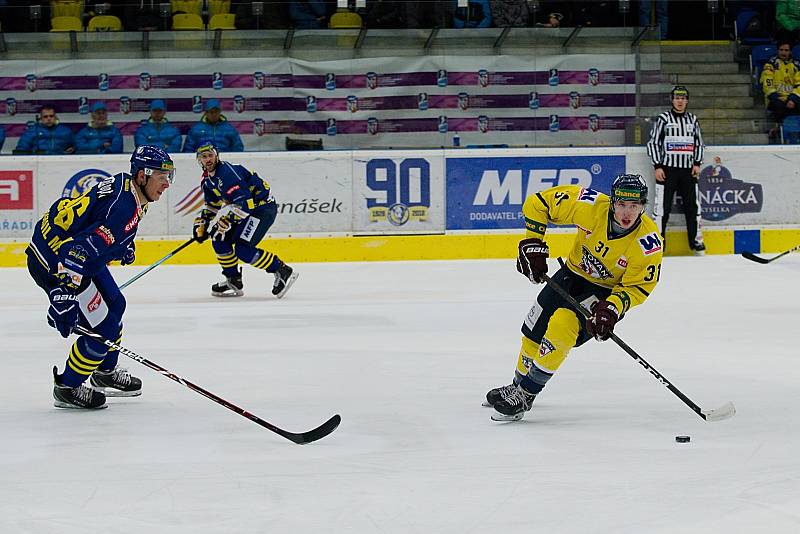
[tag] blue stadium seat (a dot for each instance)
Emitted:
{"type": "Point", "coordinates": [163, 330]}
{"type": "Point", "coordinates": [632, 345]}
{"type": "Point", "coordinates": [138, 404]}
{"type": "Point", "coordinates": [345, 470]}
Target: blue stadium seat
{"type": "Point", "coordinates": [790, 130]}
{"type": "Point", "coordinates": [743, 18]}
{"type": "Point", "coordinates": [759, 55]}
{"type": "Point", "coordinates": [796, 52]}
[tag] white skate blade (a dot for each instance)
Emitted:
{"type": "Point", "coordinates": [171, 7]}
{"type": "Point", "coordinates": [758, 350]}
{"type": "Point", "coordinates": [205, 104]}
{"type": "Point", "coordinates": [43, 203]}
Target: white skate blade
{"type": "Point", "coordinates": [68, 406]}
{"type": "Point", "coordinates": [289, 283]}
{"type": "Point", "coordinates": [497, 416]}
{"type": "Point", "coordinates": [111, 392]}
{"type": "Point", "coordinates": [228, 294]}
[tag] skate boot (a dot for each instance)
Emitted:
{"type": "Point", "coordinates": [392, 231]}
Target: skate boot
{"type": "Point", "coordinates": [284, 278]}
{"type": "Point", "coordinates": [230, 287]}
{"type": "Point", "coordinates": [514, 406]}
{"type": "Point", "coordinates": [82, 397]}
{"type": "Point", "coordinates": [498, 394]}
{"type": "Point", "coordinates": [699, 248]}
{"type": "Point", "coordinates": [116, 383]}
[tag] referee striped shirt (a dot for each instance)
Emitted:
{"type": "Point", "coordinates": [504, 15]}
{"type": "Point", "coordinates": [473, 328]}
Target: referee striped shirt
{"type": "Point", "coordinates": [675, 141]}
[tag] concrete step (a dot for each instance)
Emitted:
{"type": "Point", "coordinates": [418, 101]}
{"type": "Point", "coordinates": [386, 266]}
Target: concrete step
{"type": "Point", "coordinates": [701, 79]}
{"type": "Point", "coordinates": [754, 113]}
{"type": "Point", "coordinates": [733, 126]}
{"type": "Point", "coordinates": [737, 89]}
{"type": "Point", "coordinates": [700, 68]}
{"type": "Point", "coordinates": [692, 49]}
{"type": "Point", "coordinates": [668, 56]}
{"type": "Point", "coordinates": [736, 139]}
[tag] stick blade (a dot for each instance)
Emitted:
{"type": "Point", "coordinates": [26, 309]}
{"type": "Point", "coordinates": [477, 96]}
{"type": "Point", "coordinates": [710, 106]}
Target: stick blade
{"type": "Point", "coordinates": [752, 257]}
{"type": "Point", "coordinates": [318, 433]}
{"type": "Point", "coordinates": [723, 412]}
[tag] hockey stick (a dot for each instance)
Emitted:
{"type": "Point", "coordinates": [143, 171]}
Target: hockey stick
{"type": "Point", "coordinates": [723, 412]}
{"type": "Point", "coordinates": [156, 264]}
{"type": "Point", "coordinates": [757, 259]}
{"type": "Point", "coordinates": [300, 438]}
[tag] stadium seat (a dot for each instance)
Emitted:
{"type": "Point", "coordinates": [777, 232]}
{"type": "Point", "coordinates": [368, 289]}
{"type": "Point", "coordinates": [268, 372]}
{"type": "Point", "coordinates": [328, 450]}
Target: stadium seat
{"type": "Point", "coordinates": [187, 21]}
{"type": "Point", "coordinates": [743, 19]}
{"type": "Point", "coordinates": [759, 55]}
{"type": "Point", "coordinates": [345, 19]}
{"type": "Point", "coordinates": [222, 21]}
{"type": "Point", "coordinates": [215, 7]}
{"type": "Point", "coordinates": [796, 51]}
{"type": "Point", "coordinates": [104, 23]}
{"type": "Point", "coordinates": [790, 130]}
{"type": "Point", "coordinates": [192, 7]}
{"type": "Point", "coordinates": [66, 8]}
{"type": "Point", "coordinates": [66, 24]}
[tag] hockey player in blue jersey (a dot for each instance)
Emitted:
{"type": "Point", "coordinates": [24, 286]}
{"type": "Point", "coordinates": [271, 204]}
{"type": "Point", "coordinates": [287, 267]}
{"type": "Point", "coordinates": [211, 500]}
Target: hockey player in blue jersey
{"type": "Point", "coordinates": [244, 210]}
{"type": "Point", "coordinates": [68, 256]}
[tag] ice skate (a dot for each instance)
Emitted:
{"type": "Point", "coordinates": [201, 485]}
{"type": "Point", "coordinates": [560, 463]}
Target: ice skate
{"type": "Point", "coordinates": [497, 394]}
{"type": "Point", "coordinates": [513, 406]}
{"type": "Point", "coordinates": [284, 278]}
{"type": "Point", "coordinates": [82, 397]}
{"type": "Point", "coordinates": [699, 248]}
{"type": "Point", "coordinates": [230, 287]}
{"type": "Point", "coordinates": [116, 383]}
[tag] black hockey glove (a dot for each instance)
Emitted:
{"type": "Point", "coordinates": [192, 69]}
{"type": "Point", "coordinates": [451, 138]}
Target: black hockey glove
{"type": "Point", "coordinates": [63, 312]}
{"type": "Point", "coordinates": [130, 254]}
{"type": "Point", "coordinates": [532, 260]}
{"type": "Point", "coordinates": [200, 229]}
{"type": "Point", "coordinates": [601, 323]}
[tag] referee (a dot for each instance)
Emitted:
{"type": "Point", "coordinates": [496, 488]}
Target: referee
{"type": "Point", "coordinates": [676, 150]}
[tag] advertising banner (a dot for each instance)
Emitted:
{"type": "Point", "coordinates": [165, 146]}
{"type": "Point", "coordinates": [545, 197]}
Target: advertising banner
{"type": "Point", "coordinates": [394, 194]}
{"type": "Point", "coordinates": [487, 193]}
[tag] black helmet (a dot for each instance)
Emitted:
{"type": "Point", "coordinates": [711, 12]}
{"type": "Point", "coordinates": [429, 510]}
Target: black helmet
{"type": "Point", "coordinates": [679, 90]}
{"type": "Point", "coordinates": [629, 187]}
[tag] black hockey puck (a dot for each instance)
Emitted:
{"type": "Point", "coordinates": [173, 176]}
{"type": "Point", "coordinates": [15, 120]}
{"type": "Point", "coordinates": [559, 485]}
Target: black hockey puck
{"type": "Point", "coordinates": [682, 439]}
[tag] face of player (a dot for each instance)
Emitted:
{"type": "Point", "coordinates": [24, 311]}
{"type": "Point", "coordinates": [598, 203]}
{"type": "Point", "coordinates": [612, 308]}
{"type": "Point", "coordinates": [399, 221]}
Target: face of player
{"type": "Point", "coordinates": [207, 160]}
{"type": "Point", "coordinates": [626, 212]}
{"type": "Point", "coordinates": [680, 103]}
{"type": "Point", "coordinates": [154, 185]}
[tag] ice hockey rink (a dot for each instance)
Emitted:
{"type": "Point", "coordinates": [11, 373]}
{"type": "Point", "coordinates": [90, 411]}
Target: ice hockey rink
{"type": "Point", "coordinates": [405, 352]}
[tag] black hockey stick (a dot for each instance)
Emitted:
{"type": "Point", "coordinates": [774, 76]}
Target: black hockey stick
{"type": "Point", "coordinates": [300, 438]}
{"type": "Point", "coordinates": [156, 264]}
{"type": "Point", "coordinates": [758, 259]}
{"type": "Point", "coordinates": [723, 412]}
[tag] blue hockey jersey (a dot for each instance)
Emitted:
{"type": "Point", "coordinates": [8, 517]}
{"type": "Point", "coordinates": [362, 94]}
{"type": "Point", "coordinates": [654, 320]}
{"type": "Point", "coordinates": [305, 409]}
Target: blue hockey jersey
{"type": "Point", "coordinates": [234, 184]}
{"type": "Point", "coordinates": [92, 229]}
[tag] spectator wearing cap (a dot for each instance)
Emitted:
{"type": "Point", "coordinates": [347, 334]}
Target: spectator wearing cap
{"type": "Point", "coordinates": [553, 21]}
{"type": "Point", "coordinates": [157, 130]}
{"type": "Point", "coordinates": [46, 136]}
{"type": "Point", "coordinates": [213, 126]}
{"type": "Point", "coordinates": [100, 136]}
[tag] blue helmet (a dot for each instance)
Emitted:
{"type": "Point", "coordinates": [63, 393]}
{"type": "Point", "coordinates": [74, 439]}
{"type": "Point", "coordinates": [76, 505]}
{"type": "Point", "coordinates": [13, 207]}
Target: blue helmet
{"type": "Point", "coordinates": [207, 145]}
{"type": "Point", "coordinates": [149, 158]}
{"type": "Point", "coordinates": [629, 187]}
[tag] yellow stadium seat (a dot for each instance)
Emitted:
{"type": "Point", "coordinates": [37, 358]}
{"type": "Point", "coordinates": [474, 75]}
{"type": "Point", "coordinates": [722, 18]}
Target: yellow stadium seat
{"type": "Point", "coordinates": [222, 21]}
{"type": "Point", "coordinates": [193, 7]}
{"type": "Point", "coordinates": [187, 21]}
{"type": "Point", "coordinates": [66, 24]}
{"type": "Point", "coordinates": [345, 19]}
{"type": "Point", "coordinates": [215, 7]}
{"type": "Point", "coordinates": [104, 23]}
{"type": "Point", "coordinates": [66, 8]}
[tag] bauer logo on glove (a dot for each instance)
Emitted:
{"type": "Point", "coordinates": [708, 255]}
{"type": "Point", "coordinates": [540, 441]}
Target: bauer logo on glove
{"type": "Point", "coordinates": [532, 259]}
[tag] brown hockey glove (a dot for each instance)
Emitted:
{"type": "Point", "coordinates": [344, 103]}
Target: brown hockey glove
{"type": "Point", "coordinates": [601, 323]}
{"type": "Point", "coordinates": [532, 259]}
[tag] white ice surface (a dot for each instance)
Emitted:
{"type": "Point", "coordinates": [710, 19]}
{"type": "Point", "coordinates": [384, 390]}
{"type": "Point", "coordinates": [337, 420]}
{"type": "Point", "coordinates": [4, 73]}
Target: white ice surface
{"type": "Point", "coordinates": [405, 351]}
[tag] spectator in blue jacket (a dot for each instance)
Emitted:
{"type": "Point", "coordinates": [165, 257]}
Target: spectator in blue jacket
{"type": "Point", "coordinates": [308, 14]}
{"type": "Point", "coordinates": [100, 136]}
{"type": "Point", "coordinates": [157, 131]}
{"type": "Point", "coordinates": [214, 127]}
{"type": "Point", "coordinates": [46, 136]}
{"type": "Point", "coordinates": [477, 14]}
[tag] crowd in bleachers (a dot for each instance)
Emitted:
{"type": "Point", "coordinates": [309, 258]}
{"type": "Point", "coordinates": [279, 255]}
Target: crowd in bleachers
{"type": "Point", "coordinates": [46, 136]}
{"type": "Point", "coordinates": [138, 15]}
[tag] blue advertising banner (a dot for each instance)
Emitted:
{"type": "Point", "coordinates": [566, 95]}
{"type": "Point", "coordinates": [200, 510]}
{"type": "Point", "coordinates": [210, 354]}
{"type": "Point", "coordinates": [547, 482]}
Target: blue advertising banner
{"type": "Point", "coordinates": [487, 193]}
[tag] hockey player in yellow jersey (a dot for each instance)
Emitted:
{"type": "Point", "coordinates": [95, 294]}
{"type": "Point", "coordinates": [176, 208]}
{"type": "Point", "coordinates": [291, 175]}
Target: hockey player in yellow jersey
{"type": "Point", "coordinates": [614, 264]}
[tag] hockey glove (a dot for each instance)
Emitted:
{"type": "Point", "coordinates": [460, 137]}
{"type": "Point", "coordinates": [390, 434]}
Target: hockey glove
{"type": "Point", "coordinates": [63, 312]}
{"type": "Point", "coordinates": [601, 323]}
{"type": "Point", "coordinates": [200, 229]}
{"type": "Point", "coordinates": [130, 254]}
{"type": "Point", "coordinates": [532, 260]}
{"type": "Point", "coordinates": [223, 230]}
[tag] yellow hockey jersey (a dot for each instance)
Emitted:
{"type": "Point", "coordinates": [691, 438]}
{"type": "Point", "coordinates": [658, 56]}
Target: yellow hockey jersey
{"type": "Point", "coordinates": [629, 264]}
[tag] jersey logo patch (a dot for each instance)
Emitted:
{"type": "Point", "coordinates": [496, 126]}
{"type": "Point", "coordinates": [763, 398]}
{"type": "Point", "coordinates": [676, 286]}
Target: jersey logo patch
{"type": "Point", "coordinates": [651, 243]}
{"type": "Point", "coordinates": [232, 189]}
{"type": "Point", "coordinates": [97, 299]}
{"type": "Point", "coordinates": [545, 348]}
{"type": "Point", "coordinates": [594, 267]}
{"type": "Point", "coordinates": [622, 262]}
{"type": "Point", "coordinates": [132, 223]}
{"type": "Point", "coordinates": [105, 234]}
{"type": "Point", "coordinates": [587, 195]}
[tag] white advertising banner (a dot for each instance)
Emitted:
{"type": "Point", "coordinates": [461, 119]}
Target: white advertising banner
{"type": "Point", "coordinates": [398, 192]}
